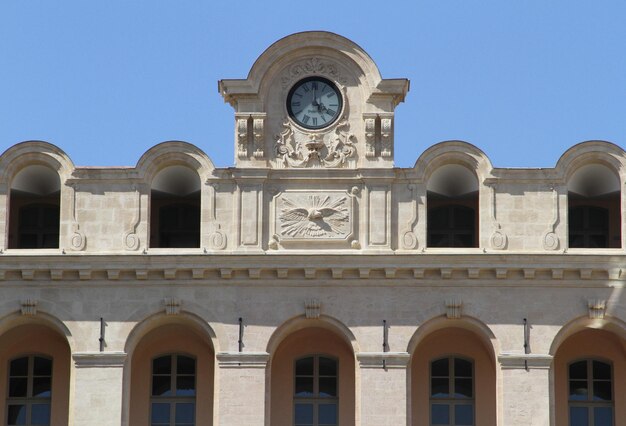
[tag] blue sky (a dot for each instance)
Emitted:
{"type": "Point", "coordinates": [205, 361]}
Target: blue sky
{"type": "Point", "coordinates": [106, 80]}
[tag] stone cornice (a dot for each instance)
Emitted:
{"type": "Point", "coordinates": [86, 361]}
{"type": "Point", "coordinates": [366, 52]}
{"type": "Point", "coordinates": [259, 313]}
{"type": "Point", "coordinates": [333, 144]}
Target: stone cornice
{"type": "Point", "coordinates": [99, 359]}
{"type": "Point", "coordinates": [242, 359]}
{"type": "Point", "coordinates": [525, 361]}
{"type": "Point", "coordinates": [447, 269]}
{"type": "Point", "coordinates": [388, 360]}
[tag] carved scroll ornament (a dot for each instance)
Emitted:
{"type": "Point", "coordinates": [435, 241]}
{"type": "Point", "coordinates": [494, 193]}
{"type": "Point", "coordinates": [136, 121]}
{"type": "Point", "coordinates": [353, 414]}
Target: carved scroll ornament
{"type": "Point", "coordinates": [300, 150]}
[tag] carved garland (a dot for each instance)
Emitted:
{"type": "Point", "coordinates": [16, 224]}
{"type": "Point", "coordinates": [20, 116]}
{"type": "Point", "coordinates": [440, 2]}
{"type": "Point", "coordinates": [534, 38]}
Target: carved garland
{"type": "Point", "coordinates": [312, 66]}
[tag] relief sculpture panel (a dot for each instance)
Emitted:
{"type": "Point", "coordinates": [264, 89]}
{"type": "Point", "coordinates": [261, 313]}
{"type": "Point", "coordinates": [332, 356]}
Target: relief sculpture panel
{"type": "Point", "coordinates": [314, 216]}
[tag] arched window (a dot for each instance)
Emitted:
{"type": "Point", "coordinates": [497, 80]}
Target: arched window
{"type": "Point", "coordinates": [593, 199]}
{"type": "Point", "coordinates": [173, 397]}
{"type": "Point", "coordinates": [590, 393]}
{"type": "Point", "coordinates": [34, 217]}
{"type": "Point", "coordinates": [452, 203]}
{"type": "Point", "coordinates": [451, 392]}
{"type": "Point", "coordinates": [175, 209]}
{"type": "Point", "coordinates": [30, 391]}
{"type": "Point", "coordinates": [315, 397]}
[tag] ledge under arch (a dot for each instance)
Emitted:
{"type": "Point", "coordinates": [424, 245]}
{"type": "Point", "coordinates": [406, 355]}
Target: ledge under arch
{"type": "Point", "coordinates": [301, 322]}
{"type": "Point", "coordinates": [42, 318]}
{"type": "Point", "coordinates": [453, 152]}
{"type": "Point", "coordinates": [471, 324]}
{"type": "Point", "coordinates": [608, 323]}
{"type": "Point", "coordinates": [589, 152]}
{"type": "Point", "coordinates": [173, 153]}
{"type": "Point", "coordinates": [32, 153]}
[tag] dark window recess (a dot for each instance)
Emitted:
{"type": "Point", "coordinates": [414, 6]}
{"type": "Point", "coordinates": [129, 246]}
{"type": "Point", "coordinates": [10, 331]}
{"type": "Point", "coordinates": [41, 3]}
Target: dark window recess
{"type": "Point", "coordinates": [38, 226]}
{"type": "Point", "coordinates": [451, 226]}
{"type": "Point", "coordinates": [178, 226]}
{"type": "Point", "coordinates": [588, 227]}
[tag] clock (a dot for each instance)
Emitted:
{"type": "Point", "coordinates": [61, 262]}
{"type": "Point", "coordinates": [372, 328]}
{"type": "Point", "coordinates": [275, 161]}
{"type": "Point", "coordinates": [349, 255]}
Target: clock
{"type": "Point", "coordinates": [314, 103]}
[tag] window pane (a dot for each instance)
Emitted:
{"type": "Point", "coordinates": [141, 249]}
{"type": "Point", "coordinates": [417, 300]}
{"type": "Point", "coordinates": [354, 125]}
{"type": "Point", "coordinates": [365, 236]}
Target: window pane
{"type": "Point", "coordinates": [577, 390]}
{"type": "Point", "coordinates": [463, 218]}
{"type": "Point", "coordinates": [601, 370]}
{"type": "Point", "coordinates": [328, 386]}
{"type": "Point", "coordinates": [161, 386]}
{"type": "Point", "coordinates": [41, 387]}
{"type": "Point", "coordinates": [17, 387]}
{"type": "Point", "coordinates": [304, 386]}
{"type": "Point", "coordinates": [327, 367]}
{"type": "Point", "coordinates": [19, 367]}
{"type": "Point", "coordinates": [462, 368]}
{"type": "Point", "coordinates": [462, 388]}
{"type": "Point", "coordinates": [304, 367]}
{"type": "Point", "coordinates": [602, 391]}
{"type": "Point", "coordinates": [162, 365]}
{"type": "Point", "coordinates": [40, 414]}
{"type": "Point", "coordinates": [464, 415]}
{"type": "Point", "coordinates": [185, 386]}
{"type": "Point", "coordinates": [185, 412]}
{"type": "Point", "coordinates": [439, 388]}
{"type": "Point", "coordinates": [185, 365]}
{"type": "Point", "coordinates": [160, 413]}
{"type": "Point", "coordinates": [439, 368]}
{"type": "Point", "coordinates": [43, 366]}
{"type": "Point", "coordinates": [578, 370]}
{"type": "Point", "coordinates": [440, 414]}
{"type": "Point", "coordinates": [304, 414]}
{"type": "Point", "coordinates": [578, 416]}
{"type": "Point", "coordinates": [17, 415]}
{"type": "Point", "coordinates": [603, 416]}
{"type": "Point", "coordinates": [327, 414]}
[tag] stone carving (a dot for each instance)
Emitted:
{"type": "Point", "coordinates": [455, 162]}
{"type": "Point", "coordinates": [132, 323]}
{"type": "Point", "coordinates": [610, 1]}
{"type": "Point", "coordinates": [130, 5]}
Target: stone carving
{"type": "Point", "coordinates": [550, 239]}
{"type": "Point", "coordinates": [131, 239]}
{"type": "Point", "coordinates": [312, 309]}
{"type": "Point", "coordinates": [29, 307]}
{"type": "Point", "coordinates": [298, 149]}
{"type": "Point", "coordinates": [386, 141]}
{"type": "Point", "coordinates": [314, 216]}
{"type": "Point", "coordinates": [370, 137]}
{"type": "Point", "coordinates": [409, 239]}
{"type": "Point", "coordinates": [78, 240]}
{"type": "Point", "coordinates": [242, 137]}
{"type": "Point", "coordinates": [498, 238]}
{"type": "Point", "coordinates": [597, 308]}
{"type": "Point", "coordinates": [258, 133]}
{"type": "Point", "coordinates": [217, 238]}
{"type": "Point", "coordinates": [453, 308]}
{"type": "Point", "coordinates": [172, 306]}
{"type": "Point", "coordinates": [312, 66]}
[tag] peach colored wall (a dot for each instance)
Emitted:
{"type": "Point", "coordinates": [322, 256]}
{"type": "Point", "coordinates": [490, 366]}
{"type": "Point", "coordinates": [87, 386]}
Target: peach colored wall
{"type": "Point", "coordinates": [310, 341]}
{"type": "Point", "coordinates": [38, 340]}
{"type": "Point", "coordinates": [171, 339]}
{"type": "Point", "coordinates": [448, 342]}
{"type": "Point", "coordinates": [586, 344]}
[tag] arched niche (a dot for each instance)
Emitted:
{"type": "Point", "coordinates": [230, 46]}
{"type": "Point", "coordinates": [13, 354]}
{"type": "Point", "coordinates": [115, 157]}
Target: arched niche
{"type": "Point", "coordinates": [157, 338]}
{"type": "Point", "coordinates": [301, 340]}
{"type": "Point", "coordinates": [594, 206]}
{"type": "Point", "coordinates": [30, 341]}
{"type": "Point", "coordinates": [460, 340]}
{"type": "Point", "coordinates": [34, 208]}
{"type": "Point", "coordinates": [175, 205]}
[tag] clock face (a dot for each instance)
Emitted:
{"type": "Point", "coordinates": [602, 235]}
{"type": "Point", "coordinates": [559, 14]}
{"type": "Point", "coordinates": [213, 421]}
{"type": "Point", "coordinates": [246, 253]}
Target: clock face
{"type": "Point", "coordinates": [314, 103]}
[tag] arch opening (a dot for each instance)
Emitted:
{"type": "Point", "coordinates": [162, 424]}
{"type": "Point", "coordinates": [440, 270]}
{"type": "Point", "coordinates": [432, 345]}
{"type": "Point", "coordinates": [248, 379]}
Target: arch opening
{"type": "Point", "coordinates": [593, 201]}
{"type": "Point", "coordinates": [175, 208]}
{"type": "Point", "coordinates": [34, 208]}
{"type": "Point", "coordinates": [452, 207]}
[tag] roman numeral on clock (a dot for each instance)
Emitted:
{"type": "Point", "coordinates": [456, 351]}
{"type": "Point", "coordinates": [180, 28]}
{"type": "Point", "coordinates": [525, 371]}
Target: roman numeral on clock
{"type": "Point", "coordinates": [306, 119]}
{"type": "Point", "coordinates": [331, 112]}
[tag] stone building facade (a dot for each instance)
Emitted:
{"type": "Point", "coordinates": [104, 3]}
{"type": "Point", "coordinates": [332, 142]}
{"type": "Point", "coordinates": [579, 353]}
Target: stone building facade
{"type": "Point", "coordinates": [313, 283]}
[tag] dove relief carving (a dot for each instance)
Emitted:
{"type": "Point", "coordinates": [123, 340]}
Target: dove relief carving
{"type": "Point", "coordinates": [314, 216]}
